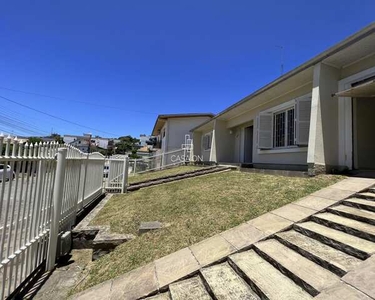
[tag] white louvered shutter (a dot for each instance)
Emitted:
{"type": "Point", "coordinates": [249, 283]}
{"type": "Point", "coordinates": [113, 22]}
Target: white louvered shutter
{"type": "Point", "coordinates": [265, 130]}
{"type": "Point", "coordinates": [303, 112]}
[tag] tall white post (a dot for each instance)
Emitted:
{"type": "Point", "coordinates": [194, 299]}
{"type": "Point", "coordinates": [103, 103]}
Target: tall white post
{"type": "Point", "coordinates": [135, 165]}
{"type": "Point", "coordinates": [56, 213]}
{"type": "Point", "coordinates": [125, 171]}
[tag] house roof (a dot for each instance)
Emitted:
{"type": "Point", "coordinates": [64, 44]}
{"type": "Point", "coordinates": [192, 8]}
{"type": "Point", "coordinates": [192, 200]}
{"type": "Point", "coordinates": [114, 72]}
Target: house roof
{"type": "Point", "coordinates": [161, 119]}
{"type": "Point", "coordinates": [335, 56]}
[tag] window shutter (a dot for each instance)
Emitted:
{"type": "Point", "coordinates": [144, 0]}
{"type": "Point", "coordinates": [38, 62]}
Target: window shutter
{"type": "Point", "coordinates": [303, 112]}
{"type": "Point", "coordinates": [265, 130]}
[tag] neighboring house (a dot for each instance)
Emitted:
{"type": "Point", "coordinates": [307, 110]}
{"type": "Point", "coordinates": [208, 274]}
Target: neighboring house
{"type": "Point", "coordinates": [171, 130]}
{"type": "Point", "coordinates": [317, 117]}
{"type": "Point", "coordinates": [101, 142]}
{"type": "Point", "coordinates": [143, 138]}
{"type": "Point", "coordinates": [80, 142]}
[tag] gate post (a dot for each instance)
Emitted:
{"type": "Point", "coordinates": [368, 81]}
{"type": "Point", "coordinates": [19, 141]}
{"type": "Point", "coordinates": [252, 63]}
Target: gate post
{"type": "Point", "coordinates": [57, 204]}
{"type": "Point", "coordinates": [125, 175]}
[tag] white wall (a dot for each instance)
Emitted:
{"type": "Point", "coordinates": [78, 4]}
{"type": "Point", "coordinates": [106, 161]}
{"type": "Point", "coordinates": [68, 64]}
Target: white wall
{"type": "Point", "coordinates": [178, 128]}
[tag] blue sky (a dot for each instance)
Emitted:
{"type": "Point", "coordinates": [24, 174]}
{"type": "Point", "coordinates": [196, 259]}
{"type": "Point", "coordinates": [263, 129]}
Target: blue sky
{"type": "Point", "coordinates": [132, 60]}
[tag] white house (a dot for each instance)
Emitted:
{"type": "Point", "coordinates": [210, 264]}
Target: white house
{"type": "Point", "coordinates": [171, 130]}
{"type": "Point", "coordinates": [318, 117]}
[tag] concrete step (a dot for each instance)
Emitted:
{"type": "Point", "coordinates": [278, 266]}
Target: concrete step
{"type": "Point", "coordinates": [225, 283]}
{"type": "Point", "coordinates": [347, 243]}
{"type": "Point", "coordinates": [354, 227]}
{"type": "Point", "coordinates": [312, 277]}
{"type": "Point", "coordinates": [360, 203]}
{"type": "Point", "coordinates": [189, 289]}
{"type": "Point", "coordinates": [366, 195]}
{"type": "Point", "coordinates": [163, 296]}
{"type": "Point", "coordinates": [330, 258]}
{"type": "Point", "coordinates": [354, 213]}
{"type": "Point", "coordinates": [269, 282]}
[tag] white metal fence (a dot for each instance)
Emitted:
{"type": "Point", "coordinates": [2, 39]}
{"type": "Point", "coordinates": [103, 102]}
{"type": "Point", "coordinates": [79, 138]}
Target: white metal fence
{"type": "Point", "coordinates": [120, 165]}
{"type": "Point", "coordinates": [40, 197]}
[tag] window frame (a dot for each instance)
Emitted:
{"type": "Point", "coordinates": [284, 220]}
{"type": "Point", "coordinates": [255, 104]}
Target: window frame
{"type": "Point", "coordinates": [286, 129]}
{"type": "Point", "coordinates": [209, 136]}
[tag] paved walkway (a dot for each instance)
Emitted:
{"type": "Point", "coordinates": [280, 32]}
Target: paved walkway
{"type": "Point", "coordinates": [319, 246]}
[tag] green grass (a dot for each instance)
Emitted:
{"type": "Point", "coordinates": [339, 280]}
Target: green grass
{"type": "Point", "coordinates": [167, 172]}
{"type": "Point", "coordinates": [194, 209]}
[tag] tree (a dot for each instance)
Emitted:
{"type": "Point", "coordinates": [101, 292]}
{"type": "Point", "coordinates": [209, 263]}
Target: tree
{"type": "Point", "coordinates": [57, 138]}
{"type": "Point", "coordinates": [34, 139]}
{"type": "Point", "coordinates": [126, 144]}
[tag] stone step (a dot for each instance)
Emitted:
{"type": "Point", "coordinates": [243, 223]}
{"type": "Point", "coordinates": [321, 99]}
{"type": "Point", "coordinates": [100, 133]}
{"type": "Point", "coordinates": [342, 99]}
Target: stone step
{"type": "Point", "coordinates": [189, 289]}
{"type": "Point", "coordinates": [307, 274]}
{"type": "Point", "coordinates": [225, 283]}
{"type": "Point", "coordinates": [360, 203]}
{"type": "Point", "coordinates": [330, 258]}
{"type": "Point", "coordinates": [353, 227]}
{"type": "Point", "coordinates": [347, 243]}
{"type": "Point", "coordinates": [354, 213]}
{"type": "Point", "coordinates": [163, 296]}
{"type": "Point", "coordinates": [367, 195]}
{"type": "Point", "coordinates": [269, 282]}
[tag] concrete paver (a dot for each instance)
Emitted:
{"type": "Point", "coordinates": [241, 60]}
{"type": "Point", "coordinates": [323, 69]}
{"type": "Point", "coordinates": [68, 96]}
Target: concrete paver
{"type": "Point", "coordinates": [341, 291]}
{"type": "Point", "coordinates": [363, 277]}
{"type": "Point", "coordinates": [270, 223]}
{"type": "Point", "coordinates": [175, 266]}
{"type": "Point", "coordinates": [293, 212]}
{"type": "Point", "coordinates": [333, 193]}
{"type": "Point", "coordinates": [354, 184]}
{"type": "Point", "coordinates": [135, 284]}
{"type": "Point", "coordinates": [98, 292]}
{"type": "Point", "coordinates": [189, 289]}
{"type": "Point", "coordinates": [242, 236]}
{"type": "Point", "coordinates": [226, 284]}
{"type": "Point", "coordinates": [211, 250]}
{"type": "Point", "coordinates": [316, 203]}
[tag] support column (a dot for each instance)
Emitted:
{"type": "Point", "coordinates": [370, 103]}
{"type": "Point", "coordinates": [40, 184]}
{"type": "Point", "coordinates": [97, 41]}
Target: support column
{"type": "Point", "coordinates": [322, 155]}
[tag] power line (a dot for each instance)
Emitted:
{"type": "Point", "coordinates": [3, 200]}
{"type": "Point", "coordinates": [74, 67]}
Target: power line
{"type": "Point", "coordinates": [56, 117]}
{"type": "Point", "coordinates": [78, 101]}
{"type": "Point", "coordinates": [27, 126]}
{"type": "Point", "coordinates": [22, 115]}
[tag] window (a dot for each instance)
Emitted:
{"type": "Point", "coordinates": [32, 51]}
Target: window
{"type": "Point", "coordinates": [285, 126]}
{"type": "Point", "coordinates": [207, 142]}
{"type": "Point", "coordinates": [283, 129]}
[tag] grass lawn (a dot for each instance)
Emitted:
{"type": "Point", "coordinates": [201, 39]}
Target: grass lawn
{"type": "Point", "coordinates": [195, 209]}
{"type": "Point", "coordinates": [167, 172]}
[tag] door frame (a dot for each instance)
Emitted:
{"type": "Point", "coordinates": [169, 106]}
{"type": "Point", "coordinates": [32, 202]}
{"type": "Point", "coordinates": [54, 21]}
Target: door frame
{"type": "Point", "coordinates": [245, 144]}
{"type": "Point", "coordinates": [345, 110]}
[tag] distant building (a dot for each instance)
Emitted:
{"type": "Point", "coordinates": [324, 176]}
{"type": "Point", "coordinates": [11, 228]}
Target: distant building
{"type": "Point", "coordinates": [101, 142]}
{"type": "Point", "coordinates": [143, 138]}
{"type": "Point", "coordinates": [80, 142]}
